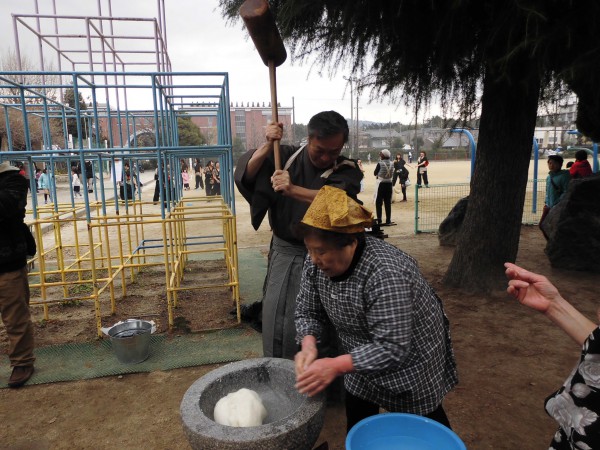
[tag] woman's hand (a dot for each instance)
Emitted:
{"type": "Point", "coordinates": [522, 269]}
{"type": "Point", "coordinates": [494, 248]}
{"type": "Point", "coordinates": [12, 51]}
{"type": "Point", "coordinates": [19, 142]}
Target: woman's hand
{"type": "Point", "coordinates": [531, 289]}
{"type": "Point", "coordinates": [535, 291]}
{"type": "Point", "coordinates": [316, 377]}
{"type": "Point", "coordinates": [307, 355]}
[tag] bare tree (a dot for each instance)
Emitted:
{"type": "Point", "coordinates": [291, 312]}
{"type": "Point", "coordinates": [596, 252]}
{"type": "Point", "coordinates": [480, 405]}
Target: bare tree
{"type": "Point", "coordinates": [17, 130]}
{"type": "Point", "coordinates": [28, 86]}
{"type": "Point", "coordinates": [10, 93]}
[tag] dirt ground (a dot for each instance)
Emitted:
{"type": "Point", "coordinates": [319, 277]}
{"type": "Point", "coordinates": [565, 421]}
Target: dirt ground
{"type": "Point", "coordinates": [509, 359]}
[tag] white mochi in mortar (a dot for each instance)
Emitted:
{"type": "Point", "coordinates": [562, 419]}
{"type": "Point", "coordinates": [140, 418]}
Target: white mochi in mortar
{"type": "Point", "coordinates": [243, 408]}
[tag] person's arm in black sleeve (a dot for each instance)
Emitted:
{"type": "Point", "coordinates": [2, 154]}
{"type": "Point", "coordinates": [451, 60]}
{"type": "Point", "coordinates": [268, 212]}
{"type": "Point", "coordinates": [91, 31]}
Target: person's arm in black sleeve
{"type": "Point", "coordinates": [346, 177]}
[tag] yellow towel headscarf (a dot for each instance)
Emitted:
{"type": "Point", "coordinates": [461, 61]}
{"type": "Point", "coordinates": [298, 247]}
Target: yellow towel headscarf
{"type": "Point", "coordinates": [333, 210]}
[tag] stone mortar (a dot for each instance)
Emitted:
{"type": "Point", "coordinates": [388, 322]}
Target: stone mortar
{"type": "Point", "coordinates": [293, 420]}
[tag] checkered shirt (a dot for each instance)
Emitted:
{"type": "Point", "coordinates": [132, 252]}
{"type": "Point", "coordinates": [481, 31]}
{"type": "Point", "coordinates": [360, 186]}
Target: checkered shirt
{"type": "Point", "coordinates": [390, 321]}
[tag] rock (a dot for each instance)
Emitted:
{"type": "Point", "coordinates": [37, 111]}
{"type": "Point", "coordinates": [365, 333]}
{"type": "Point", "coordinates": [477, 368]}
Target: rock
{"type": "Point", "coordinates": [449, 229]}
{"type": "Point", "coordinates": [573, 227]}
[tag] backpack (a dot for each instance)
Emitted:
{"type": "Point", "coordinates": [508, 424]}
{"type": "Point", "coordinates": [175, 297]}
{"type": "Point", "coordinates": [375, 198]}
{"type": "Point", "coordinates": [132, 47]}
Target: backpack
{"type": "Point", "coordinates": [389, 169]}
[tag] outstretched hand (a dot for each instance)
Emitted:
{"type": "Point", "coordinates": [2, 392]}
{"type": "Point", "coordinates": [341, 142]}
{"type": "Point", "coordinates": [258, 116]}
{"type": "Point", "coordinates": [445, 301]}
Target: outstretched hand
{"type": "Point", "coordinates": [535, 291]}
{"type": "Point", "coordinates": [531, 289]}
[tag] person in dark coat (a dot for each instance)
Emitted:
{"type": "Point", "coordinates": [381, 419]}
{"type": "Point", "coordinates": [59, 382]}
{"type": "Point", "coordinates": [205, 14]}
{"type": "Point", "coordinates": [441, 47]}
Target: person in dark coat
{"type": "Point", "coordinates": [208, 178]}
{"type": "Point", "coordinates": [16, 244]}
{"type": "Point", "coordinates": [285, 195]}
{"type": "Point", "coordinates": [198, 174]}
{"type": "Point", "coordinates": [89, 176]}
{"type": "Point", "coordinates": [384, 171]}
{"type": "Point", "coordinates": [166, 182]}
{"type": "Point", "coordinates": [400, 174]}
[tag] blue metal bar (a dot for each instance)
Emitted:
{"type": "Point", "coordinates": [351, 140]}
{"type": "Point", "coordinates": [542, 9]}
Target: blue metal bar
{"type": "Point", "coordinates": [155, 112]}
{"type": "Point", "coordinates": [101, 182]}
{"type": "Point", "coordinates": [473, 145]}
{"type": "Point", "coordinates": [26, 133]}
{"type": "Point", "coordinates": [46, 135]}
{"type": "Point", "coordinates": [96, 121]}
{"type": "Point", "coordinates": [8, 132]}
{"type": "Point", "coordinates": [134, 133]}
{"type": "Point", "coordinates": [109, 124]}
{"type": "Point", "coordinates": [163, 122]}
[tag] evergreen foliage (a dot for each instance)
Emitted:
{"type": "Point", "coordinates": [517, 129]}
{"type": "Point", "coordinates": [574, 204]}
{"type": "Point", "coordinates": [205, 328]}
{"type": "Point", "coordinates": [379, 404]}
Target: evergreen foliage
{"type": "Point", "coordinates": [414, 49]}
{"type": "Point", "coordinates": [189, 134]}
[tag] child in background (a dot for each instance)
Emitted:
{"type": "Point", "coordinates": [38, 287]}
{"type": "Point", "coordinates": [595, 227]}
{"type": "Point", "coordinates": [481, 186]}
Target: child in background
{"type": "Point", "coordinates": [45, 185]}
{"type": "Point", "coordinates": [185, 177]}
{"type": "Point", "coordinates": [581, 168]}
{"type": "Point", "coordinates": [76, 183]}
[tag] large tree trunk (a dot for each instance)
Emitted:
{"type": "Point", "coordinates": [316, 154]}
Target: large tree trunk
{"type": "Point", "coordinates": [491, 228]}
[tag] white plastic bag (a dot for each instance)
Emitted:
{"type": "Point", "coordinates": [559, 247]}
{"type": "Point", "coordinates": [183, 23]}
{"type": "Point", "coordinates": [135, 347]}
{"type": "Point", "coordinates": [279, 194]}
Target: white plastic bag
{"type": "Point", "coordinates": [376, 191]}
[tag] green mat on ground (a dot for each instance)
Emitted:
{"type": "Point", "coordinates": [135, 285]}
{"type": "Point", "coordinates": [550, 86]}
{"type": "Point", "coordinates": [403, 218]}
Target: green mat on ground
{"type": "Point", "coordinates": [70, 362]}
{"type": "Point", "coordinates": [252, 269]}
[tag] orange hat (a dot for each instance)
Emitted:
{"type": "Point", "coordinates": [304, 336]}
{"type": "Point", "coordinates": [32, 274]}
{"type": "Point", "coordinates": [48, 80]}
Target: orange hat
{"type": "Point", "coordinates": [333, 210]}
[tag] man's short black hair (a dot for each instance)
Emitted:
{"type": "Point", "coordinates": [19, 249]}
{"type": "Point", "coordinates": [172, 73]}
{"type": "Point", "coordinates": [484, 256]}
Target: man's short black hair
{"type": "Point", "coordinates": [557, 158]}
{"type": "Point", "coordinates": [326, 124]}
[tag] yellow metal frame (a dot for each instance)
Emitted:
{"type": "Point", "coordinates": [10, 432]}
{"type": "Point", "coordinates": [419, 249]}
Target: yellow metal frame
{"type": "Point", "coordinates": [73, 250]}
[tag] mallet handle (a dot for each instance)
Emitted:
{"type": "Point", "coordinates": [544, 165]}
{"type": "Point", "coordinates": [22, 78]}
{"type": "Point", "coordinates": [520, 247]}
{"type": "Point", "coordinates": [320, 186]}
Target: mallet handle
{"type": "Point", "coordinates": [274, 113]}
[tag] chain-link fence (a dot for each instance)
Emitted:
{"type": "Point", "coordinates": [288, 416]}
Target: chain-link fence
{"type": "Point", "coordinates": [433, 204]}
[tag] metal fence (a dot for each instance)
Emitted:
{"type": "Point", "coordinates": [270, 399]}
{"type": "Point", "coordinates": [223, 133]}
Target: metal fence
{"type": "Point", "coordinates": [433, 204]}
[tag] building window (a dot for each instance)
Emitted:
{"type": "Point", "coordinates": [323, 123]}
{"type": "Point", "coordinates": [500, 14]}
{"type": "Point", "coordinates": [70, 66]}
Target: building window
{"type": "Point", "coordinates": [240, 124]}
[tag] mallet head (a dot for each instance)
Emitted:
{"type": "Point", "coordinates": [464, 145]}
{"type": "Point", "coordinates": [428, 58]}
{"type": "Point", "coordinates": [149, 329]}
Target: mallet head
{"type": "Point", "coordinates": [264, 33]}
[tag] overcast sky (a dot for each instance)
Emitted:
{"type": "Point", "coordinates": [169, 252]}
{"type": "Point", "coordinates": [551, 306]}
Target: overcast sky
{"type": "Point", "coordinates": [199, 40]}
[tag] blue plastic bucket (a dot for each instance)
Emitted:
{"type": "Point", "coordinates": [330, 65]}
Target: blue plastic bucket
{"type": "Point", "coordinates": [391, 431]}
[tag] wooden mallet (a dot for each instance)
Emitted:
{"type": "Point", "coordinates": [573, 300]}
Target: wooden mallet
{"type": "Point", "coordinates": [264, 33]}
